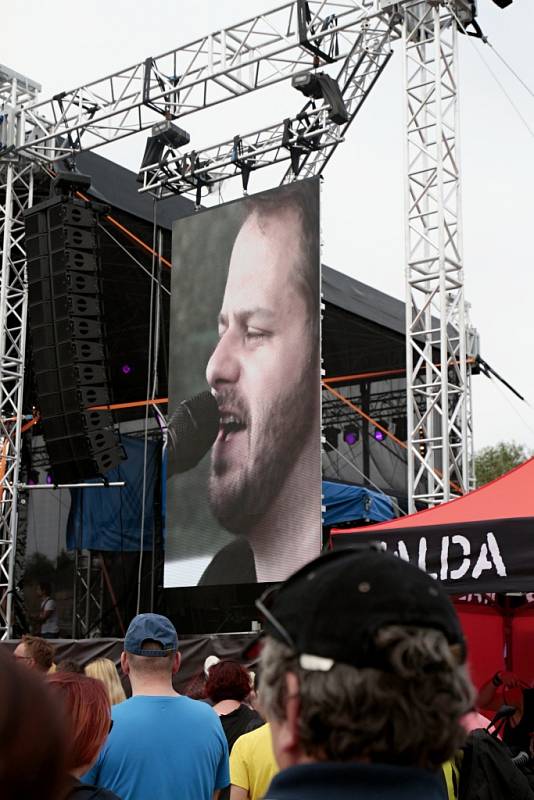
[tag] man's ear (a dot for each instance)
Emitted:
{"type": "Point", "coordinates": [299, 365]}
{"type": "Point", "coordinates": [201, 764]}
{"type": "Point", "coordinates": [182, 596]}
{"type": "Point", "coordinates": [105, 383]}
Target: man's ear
{"type": "Point", "coordinates": [125, 666]}
{"type": "Point", "coordinates": [292, 710]}
{"type": "Point", "coordinates": [176, 661]}
{"type": "Point", "coordinates": [285, 731]}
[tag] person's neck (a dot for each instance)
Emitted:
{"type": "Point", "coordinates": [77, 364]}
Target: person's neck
{"type": "Point", "coordinates": [151, 686]}
{"type": "Point", "coordinates": [288, 535]}
{"type": "Point", "coordinates": [226, 706]}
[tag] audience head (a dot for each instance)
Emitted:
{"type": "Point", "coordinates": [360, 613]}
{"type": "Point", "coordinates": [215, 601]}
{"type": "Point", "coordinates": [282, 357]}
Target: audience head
{"type": "Point", "coordinates": [69, 665]}
{"type": "Point", "coordinates": [364, 660]}
{"type": "Point", "coordinates": [227, 680]}
{"type": "Point", "coordinates": [150, 649]}
{"type": "Point", "coordinates": [103, 669]}
{"type": "Point", "coordinates": [86, 706]}
{"type": "Point", "coordinates": [32, 740]}
{"type": "Point", "coordinates": [44, 588]}
{"type": "Point", "coordinates": [35, 653]}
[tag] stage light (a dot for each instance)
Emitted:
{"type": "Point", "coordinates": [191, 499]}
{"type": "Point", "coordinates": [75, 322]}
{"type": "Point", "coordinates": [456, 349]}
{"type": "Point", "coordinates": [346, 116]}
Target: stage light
{"type": "Point", "coordinates": [126, 369]}
{"type": "Point", "coordinates": [170, 134]}
{"type": "Point", "coordinates": [331, 435]}
{"type": "Point", "coordinates": [49, 478]}
{"type": "Point", "coordinates": [351, 434]}
{"type": "Point", "coordinates": [503, 3]}
{"type": "Point", "coordinates": [379, 434]}
{"type": "Point", "coordinates": [318, 84]}
{"type": "Point", "coordinates": [164, 134]}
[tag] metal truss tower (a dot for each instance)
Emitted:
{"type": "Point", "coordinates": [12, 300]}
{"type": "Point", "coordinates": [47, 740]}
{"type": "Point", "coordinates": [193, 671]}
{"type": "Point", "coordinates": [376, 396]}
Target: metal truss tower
{"type": "Point", "coordinates": [16, 191]}
{"type": "Point", "coordinates": [439, 415]}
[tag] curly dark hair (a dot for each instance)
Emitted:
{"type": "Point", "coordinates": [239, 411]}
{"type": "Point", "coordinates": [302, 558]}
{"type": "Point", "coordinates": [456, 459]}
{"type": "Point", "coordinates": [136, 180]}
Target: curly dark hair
{"type": "Point", "coordinates": [406, 713]}
{"type": "Point", "coordinates": [227, 680]}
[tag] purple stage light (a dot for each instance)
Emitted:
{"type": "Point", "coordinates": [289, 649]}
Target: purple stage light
{"type": "Point", "coordinates": [351, 436]}
{"type": "Point", "coordinates": [49, 478]}
{"type": "Point", "coordinates": [379, 435]}
{"type": "Point", "coordinates": [126, 369]}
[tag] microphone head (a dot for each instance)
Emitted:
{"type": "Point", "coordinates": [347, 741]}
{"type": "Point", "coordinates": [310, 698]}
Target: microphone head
{"type": "Point", "coordinates": [193, 428]}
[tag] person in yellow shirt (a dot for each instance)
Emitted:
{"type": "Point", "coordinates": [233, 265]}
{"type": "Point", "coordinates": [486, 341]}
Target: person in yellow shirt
{"type": "Point", "coordinates": [252, 765]}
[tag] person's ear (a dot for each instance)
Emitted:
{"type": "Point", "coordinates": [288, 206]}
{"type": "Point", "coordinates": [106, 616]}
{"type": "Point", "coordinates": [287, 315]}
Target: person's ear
{"type": "Point", "coordinates": [176, 661]}
{"type": "Point", "coordinates": [292, 710]}
{"type": "Point", "coordinates": [286, 740]}
{"type": "Point", "coordinates": [125, 666]}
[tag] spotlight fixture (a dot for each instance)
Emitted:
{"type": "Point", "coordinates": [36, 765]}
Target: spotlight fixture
{"type": "Point", "coordinates": [503, 3]}
{"type": "Point", "coordinates": [126, 369]}
{"type": "Point", "coordinates": [351, 434]}
{"type": "Point", "coordinates": [378, 433]}
{"type": "Point", "coordinates": [331, 435]}
{"type": "Point", "coordinates": [318, 84]}
{"type": "Point", "coordinates": [164, 134]}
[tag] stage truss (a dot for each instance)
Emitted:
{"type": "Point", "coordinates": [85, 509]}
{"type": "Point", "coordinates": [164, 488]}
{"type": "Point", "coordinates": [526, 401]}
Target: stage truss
{"type": "Point", "coordinates": [296, 38]}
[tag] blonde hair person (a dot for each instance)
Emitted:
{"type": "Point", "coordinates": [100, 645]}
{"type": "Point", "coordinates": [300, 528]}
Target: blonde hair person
{"type": "Point", "coordinates": [105, 670]}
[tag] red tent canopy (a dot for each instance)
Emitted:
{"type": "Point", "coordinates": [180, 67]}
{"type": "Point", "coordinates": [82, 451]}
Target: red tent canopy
{"type": "Point", "coordinates": [481, 542]}
{"type": "Point", "coordinates": [459, 538]}
{"type": "Point", "coordinates": [508, 497]}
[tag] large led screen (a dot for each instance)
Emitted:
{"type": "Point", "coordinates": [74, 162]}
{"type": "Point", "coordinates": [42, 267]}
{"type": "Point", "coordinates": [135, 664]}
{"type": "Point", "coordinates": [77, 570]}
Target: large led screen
{"type": "Point", "coordinates": [245, 327]}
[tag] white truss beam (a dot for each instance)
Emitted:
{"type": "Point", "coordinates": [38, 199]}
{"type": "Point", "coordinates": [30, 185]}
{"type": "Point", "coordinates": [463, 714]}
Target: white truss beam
{"type": "Point", "coordinates": [259, 52]}
{"type": "Point", "coordinates": [437, 372]}
{"type": "Point", "coordinates": [309, 139]}
{"type": "Point", "coordinates": [16, 192]}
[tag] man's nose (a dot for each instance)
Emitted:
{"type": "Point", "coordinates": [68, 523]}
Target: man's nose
{"type": "Point", "coordinates": [223, 366]}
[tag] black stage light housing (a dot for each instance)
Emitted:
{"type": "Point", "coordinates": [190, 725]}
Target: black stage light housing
{"type": "Point", "coordinates": [308, 84]}
{"type": "Point", "coordinates": [331, 435]}
{"type": "Point", "coordinates": [503, 3]}
{"type": "Point", "coordinates": [170, 134]}
{"type": "Point", "coordinates": [319, 84]}
{"type": "Point", "coordinates": [153, 151]}
{"type": "Point", "coordinates": [164, 134]}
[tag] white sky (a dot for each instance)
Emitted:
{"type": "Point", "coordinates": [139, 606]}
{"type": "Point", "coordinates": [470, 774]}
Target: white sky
{"type": "Point", "coordinates": [62, 45]}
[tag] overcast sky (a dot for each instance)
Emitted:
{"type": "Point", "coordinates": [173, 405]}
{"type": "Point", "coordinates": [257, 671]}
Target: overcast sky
{"type": "Point", "coordinates": [62, 45]}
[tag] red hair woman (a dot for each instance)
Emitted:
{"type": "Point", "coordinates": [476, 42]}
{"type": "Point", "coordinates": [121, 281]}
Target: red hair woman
{"type": "Point", "coordinates": [86, 706]}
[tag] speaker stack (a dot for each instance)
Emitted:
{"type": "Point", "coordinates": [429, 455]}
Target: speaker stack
{"type": "Point", "coordinates": [67, 334]}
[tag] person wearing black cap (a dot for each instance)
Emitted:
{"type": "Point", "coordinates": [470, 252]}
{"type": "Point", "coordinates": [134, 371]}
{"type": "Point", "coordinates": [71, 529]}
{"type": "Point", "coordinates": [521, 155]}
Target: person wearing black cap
{"type": "Point", "coordinates": [162, 745]}
{"type": "Point", "coordinates": [364, 680]}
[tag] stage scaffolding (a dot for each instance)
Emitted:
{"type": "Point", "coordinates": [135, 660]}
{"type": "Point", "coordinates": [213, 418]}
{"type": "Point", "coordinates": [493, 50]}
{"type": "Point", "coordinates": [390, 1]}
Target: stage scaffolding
{"type": "Point", "coordinates": [297, 38]}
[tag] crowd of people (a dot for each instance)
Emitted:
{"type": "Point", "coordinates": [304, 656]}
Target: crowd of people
{"type": "Point", "coordinates": [364, 692]}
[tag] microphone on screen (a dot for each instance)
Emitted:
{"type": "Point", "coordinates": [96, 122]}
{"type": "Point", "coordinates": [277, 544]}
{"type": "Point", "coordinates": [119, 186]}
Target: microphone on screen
{"type": "Point", "coordinates": [192, 428]}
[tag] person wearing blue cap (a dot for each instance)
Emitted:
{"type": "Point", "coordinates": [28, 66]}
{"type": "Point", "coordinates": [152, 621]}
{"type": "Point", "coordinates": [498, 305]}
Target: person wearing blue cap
{"type": "Point", "coordinates": [162, 745]}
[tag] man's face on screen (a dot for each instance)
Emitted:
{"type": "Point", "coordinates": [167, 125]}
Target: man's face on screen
{"type": "Point", "coordinates": [263, 371]}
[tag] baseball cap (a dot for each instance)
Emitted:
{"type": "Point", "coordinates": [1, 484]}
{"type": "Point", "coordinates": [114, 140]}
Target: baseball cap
{"type": "Point", "coordinates": [330, 610]}
{"type": "Point", "coordinates": [151, 627]}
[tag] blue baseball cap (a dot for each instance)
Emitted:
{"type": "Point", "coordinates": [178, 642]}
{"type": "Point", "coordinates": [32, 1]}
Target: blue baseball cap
{"type": "Point", "coordinates": [154, 628]}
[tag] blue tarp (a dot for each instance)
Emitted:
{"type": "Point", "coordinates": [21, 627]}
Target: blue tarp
{"type": "Point", "coordinates": [110, 519]}
{"type": "Point", "coordinates": [345, 503]}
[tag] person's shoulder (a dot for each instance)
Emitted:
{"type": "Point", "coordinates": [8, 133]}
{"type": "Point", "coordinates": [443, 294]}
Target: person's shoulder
{"type": "Point", "coordinates": [197, 708]}
{"type": "Point", "coordinates": [251, 739]}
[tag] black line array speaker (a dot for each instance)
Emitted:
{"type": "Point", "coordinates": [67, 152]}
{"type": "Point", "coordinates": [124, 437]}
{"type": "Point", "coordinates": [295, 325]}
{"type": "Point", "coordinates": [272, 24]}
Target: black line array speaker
{"type": "Point", "coordinates": [67, 337]}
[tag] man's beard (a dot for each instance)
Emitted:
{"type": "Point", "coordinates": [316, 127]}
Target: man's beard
{"type": "Point", "coordinates": [278, 434]}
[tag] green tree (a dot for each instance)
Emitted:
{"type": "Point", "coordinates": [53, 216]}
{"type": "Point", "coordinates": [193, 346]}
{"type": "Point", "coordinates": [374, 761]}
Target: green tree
{"type": "Point", "coordinates": [492, 462]}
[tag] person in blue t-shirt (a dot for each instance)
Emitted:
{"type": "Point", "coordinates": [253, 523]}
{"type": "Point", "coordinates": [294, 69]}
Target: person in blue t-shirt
{"type": "Point", "coordinates": [162, 745]}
